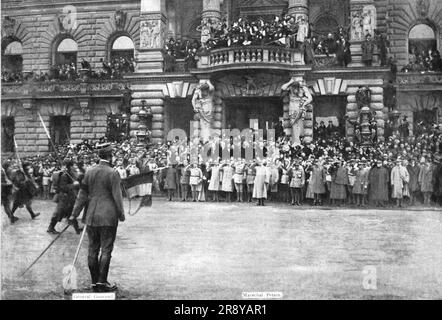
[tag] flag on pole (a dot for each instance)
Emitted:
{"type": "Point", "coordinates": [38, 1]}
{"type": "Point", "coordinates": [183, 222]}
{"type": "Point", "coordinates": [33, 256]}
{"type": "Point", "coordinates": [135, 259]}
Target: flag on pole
{"type": "Point", "coordinates": [44, 126]}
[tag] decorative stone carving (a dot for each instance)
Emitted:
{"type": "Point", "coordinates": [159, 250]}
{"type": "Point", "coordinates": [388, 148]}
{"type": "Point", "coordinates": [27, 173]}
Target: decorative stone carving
{"type": "Point", "coordinates": [363, 97]}
{"type": "Point", "coordinates": [8, 26]}
{"type": "Point", "coordinates": [120, 19]}
{"type": "Point", "coordinates": [356, 25]}
{"type": "Point", "coordinates": [251, 85]}
{"type": "Point", "coordinates": [202, 102]}
{"type": "Point", "coordinates": [29, 106]}
{"type": "Point", "coordinates": [67, 19]}
{"type": "Point", "coordinates": [422, 7]}
{"type": "Point", "coordinates": [151, 34]}
{"type": "Point", "coordinates": [369, 20]}
{"type": "Point", "coordinates": [86, 109]}
{"type": "Point", "coordinates": [363, 22]}
{"type": "Point", "coordinates": [299, 97]}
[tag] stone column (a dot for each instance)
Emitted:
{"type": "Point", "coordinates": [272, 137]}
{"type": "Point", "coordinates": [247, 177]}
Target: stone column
{"type": "Point", "coordinates": [376, 105]}
{"type": "Point", "coordinates": [211, 9]}
{"type": "Point", "coordinates": [153, 32]}
{"type": "Point", "coordinates": [359, 9]}
{"type": "Point", "coordinates": [299, 7]}
{"type": "Point", "coordinates": [211, 13]}
{"type": "Point", "coordinates": [154, 97]}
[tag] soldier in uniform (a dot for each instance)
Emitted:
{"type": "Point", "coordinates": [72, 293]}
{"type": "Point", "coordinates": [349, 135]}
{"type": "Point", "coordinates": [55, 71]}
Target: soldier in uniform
{"type": "Point", "coordinates": [102, 188]}
{"type": "Point", "coordinates": [67, 189]}
{"type": "Point", "coordinates": [26, 190]}
{"type": "Point", "coordinates": [6, 192]}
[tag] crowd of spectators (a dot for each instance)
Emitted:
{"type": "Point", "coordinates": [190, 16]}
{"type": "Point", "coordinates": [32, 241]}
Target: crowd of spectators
{"type": "Point", "coordinates": [425, 61]}
{"type": "Point", "coordinates": [329, 153]}
{"type": "Point", "coordinates": [177, 49]}
{"type": "Point", "coordinates": [115, 69]}
{"type": "Point", "coordinates": [279, 31]}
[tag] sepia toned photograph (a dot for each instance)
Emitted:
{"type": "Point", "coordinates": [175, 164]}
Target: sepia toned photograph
{"type": "Point", "coordinates": [244, 150]}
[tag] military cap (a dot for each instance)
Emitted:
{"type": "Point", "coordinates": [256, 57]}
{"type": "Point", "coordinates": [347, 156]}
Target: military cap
{"type": "Point", "coordinates": [104, 149]}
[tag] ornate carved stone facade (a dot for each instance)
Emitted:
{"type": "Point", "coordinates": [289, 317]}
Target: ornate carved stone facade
{"type": "Point", "coordinates": [244, 73]}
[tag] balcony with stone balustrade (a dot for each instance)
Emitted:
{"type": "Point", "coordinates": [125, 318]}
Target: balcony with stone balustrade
{"type": "Point", "coordinates": [250, 57]}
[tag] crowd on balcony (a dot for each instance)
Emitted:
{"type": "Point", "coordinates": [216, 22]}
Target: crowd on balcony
{"type": "Point", "coordinates": [280, 32]}
{"type": "Point", "coordinates": [288, 32]}
{"type": "Point", "coordinates": [424, 61]}
{"type": "Point", "coordinates": [115, 69]}
{"type": "Point", "coordinates": [403, 170]}
{"type": "Point", "coordinates": [177, 49]}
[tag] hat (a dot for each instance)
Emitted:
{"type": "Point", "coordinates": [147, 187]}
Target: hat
{"type": "Point", "coordinates": [104, 150]}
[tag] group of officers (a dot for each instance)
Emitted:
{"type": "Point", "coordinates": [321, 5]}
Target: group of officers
{"type": "Point", "coordinates": [97, 193]}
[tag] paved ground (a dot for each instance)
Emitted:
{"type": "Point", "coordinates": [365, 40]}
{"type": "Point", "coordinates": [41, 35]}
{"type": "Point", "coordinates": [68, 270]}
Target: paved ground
{"type": "Point", "coordinates": [217, 251]}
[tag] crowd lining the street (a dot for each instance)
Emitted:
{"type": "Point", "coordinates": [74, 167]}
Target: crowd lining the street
{"type": "Point", "coordinates": [402, 170]}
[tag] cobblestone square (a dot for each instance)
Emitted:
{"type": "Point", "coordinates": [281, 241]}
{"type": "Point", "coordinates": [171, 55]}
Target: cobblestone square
{"type": "Point", "coordinates": [177, 250]}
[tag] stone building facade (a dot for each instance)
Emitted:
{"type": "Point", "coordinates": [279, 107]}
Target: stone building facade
{"type": "Point", "coordinates": [247, 80]}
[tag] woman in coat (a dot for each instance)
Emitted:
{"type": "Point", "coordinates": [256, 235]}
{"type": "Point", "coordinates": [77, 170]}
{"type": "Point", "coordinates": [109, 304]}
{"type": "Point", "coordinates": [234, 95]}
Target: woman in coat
{"type": "Point", "coordinates": [215, 180]}
{"type": "Point", "coordinates": [360, 187]}
{"type": "Point", "coordinates": [261, 183]}
{"type": "Point", "coordinates": [426, 181]}
{"type": "Point", "coordinates": [413, 171]}
{"type": "Point", "coordinates": [378, 179]}
{"type": "Point", "coordinates": [227, 180]}
{"type": "Point", "coordinates": [170, 180]}
{"type": "Point", "coordinates": [339, 184]}
{"type": "Point", "coordinates": [318, 182]}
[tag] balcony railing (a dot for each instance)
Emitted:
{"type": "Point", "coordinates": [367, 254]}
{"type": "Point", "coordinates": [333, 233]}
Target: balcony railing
{"type": "Point", "coordinates": [251, 55]}
{"type": "Point", "coordinates": [424, 78]}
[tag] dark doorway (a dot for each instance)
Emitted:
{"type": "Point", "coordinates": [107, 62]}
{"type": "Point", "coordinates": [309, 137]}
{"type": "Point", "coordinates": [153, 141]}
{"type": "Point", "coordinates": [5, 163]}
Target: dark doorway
{"type": "Point", "coordinates": [330, 108]}
{"type": "Point", "coordinates": [239, 111]}
{"type": "Point", "coordinates": [8, 128]}
{"type": "Point", "coordinates": [424, 120]}
{"type": "Point", "coordinates": [60, 129]}
{"type": "Point", "coordinates": [117, 127]}
{"type": "Point", "coordinates": [178, 113]}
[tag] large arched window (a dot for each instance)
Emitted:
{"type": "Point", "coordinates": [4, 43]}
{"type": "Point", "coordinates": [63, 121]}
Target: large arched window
{"type": "Point", "coordinates": [421, 39]}
{"type": "Point", "coordinates": [122, 47]}
{"type": "Point", "coordinates": [12, 60]}
{"type": "Point", "coordinates": [66, 52]}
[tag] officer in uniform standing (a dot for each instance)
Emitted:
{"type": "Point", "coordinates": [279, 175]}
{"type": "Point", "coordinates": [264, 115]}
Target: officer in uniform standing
{"type": "Point", "coordinates": [101, 188]}
{"type": "Point", "coordinates": [7, 192]}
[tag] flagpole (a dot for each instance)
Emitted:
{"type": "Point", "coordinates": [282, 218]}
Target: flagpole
{"type": "Point", "coordinates": [46, 131]}
{"type": "Point", "coordinates": [50, 140]}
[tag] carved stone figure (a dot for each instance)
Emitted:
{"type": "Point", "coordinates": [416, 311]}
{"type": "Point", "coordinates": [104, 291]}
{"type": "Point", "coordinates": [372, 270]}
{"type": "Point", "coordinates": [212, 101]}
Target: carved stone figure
{"type": "Point", "coordinates": [363, 97]}
{"type": "Point", "coordinates": [369, 19]}
{"type": "Point", "coordinates": [120, 19]}
{"type": "Point", "coordinates": [422, 7]}
{"type": "Point", "coordinates": [150, 34]}
{"type": "Point", "coordinates": [300, 97]}
{"type": "Point", "coordinates": [202, 102]}
{"type": "Point", "coordinates": [356, 26]}
{"type": "Point", "coordinates": [8, 26]}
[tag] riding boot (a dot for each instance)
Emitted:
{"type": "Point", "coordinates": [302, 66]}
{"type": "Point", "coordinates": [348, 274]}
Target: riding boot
{"type": "Point", "coordinates": [51, 228]}
{"type": "Point", "coordinates": [78, 230]}
{"type": "Point", "coordinates": [32, 213]}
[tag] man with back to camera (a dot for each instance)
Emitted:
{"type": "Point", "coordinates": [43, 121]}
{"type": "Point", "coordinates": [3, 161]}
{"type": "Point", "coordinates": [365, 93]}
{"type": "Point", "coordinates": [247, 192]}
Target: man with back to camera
{"type": "Point", "coordinates": [101, 190]}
